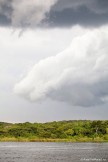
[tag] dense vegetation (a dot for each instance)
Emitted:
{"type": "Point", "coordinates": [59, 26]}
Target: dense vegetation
{"type": "Point", "coordinates": [82, 131]}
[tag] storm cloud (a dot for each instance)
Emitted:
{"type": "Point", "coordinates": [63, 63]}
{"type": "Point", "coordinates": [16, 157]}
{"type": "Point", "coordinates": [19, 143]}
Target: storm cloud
{"type": "Point", "coordinates": [83, 12]}
{"type": "Point", "coordinates": [53, 13]}
{"type": "Point", "coordinates": [77, 76]}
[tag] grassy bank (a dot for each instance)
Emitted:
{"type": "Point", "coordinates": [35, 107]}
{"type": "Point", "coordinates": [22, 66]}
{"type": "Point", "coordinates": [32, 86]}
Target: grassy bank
{"type": "Point", "coordinates": [53, 140]}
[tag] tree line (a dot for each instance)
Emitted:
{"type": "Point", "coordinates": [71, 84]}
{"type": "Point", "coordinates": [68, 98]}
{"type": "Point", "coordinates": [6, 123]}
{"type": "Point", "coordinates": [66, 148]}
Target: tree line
{"type": "Point", "coordinates": [56, 130]}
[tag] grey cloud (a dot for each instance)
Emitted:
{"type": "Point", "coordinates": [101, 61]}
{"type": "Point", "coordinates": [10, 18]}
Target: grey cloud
{"type": "Point", "coordinates": [4, 21]}
{"type": "Point", "coordinates": [73, 4]}
{"type": "Point", "coordinates": [83, 16]}
{"type": "Point", "coordinates": [101, 6]}
{"type": "Point", "coordinates": [5, 12]}
{"type": "Point", "coordinates": [82, 12]}
{"type": "Point", "coordinates": [53, 13]}
{"type": "Point", "coordinates": [96, 6]}
{"type": "Point", "coordinates": [78, 94]}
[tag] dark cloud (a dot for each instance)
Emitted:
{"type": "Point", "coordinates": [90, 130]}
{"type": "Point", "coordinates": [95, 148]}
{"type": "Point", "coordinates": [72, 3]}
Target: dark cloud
{"type": "Point", "coordinates": [102, 6]}
{"type": "Point", "coordinates": [53, 13]}
{"type": "Point", "coordinates": [5, 12]}
{"type": "Point", "coordinates": [97, 6]}
{"type": "Point", "coordinates": [4, 21]}
{"type": "Point", "coordinates": [83, 16]}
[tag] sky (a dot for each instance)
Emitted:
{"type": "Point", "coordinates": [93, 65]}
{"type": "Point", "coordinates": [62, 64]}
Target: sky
{"type": "Point", "coordinates": [53, 60]}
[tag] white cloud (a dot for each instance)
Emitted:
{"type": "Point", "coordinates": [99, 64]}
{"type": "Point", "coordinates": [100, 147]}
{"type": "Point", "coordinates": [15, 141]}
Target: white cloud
{"type": "Point", "coordinates": [25, 12]}
{"type": "Point", "coordinates": [30, 12]}
{"type": "Point", "coordinates": [78, 75]}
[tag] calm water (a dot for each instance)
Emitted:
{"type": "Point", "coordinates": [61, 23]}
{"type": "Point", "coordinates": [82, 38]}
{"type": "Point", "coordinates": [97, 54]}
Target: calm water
{"type": "Point", "coordinates": [53, 152]}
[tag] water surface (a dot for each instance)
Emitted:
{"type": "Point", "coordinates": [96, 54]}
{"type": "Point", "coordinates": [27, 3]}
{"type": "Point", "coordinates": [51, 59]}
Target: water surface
{"type": "Point", "coordinates": [53, 152]}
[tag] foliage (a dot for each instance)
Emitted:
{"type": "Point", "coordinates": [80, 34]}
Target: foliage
{"type": "Point", "coordinates": [81, 130]}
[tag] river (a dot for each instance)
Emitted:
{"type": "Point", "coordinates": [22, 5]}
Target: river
{"type": "Point", "coordinates": [53, 152]}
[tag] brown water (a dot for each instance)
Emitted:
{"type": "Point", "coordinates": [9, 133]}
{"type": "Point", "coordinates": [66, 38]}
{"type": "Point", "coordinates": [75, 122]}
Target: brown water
{"type": "Point", "coordinates": [53, 152]}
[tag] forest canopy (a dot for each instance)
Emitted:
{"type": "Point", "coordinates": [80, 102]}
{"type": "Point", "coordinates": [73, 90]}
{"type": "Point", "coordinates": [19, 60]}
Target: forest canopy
{"type": "Point", "coordinates": [81, 130]}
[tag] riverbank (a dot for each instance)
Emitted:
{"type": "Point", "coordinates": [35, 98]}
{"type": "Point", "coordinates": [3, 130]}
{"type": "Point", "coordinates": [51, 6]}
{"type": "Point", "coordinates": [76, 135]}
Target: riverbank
{"type": "Point", "coordinates": [84, 139]}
